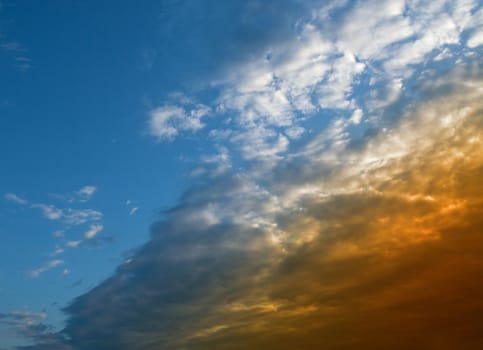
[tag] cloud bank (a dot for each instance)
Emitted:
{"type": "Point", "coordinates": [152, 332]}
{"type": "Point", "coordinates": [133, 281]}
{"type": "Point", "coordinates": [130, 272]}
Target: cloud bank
{"type": "Point", "coordinates": [369, 247]}
{"type": "Point", "coordinates": [361, 233]}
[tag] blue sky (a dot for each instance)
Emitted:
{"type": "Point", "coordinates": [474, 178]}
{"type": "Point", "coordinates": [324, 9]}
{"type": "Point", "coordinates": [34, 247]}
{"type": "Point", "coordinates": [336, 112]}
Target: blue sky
{"type": "Point", "coordinates": [158, 141]}
{"type": "Point", "coordinates": [76, 117]}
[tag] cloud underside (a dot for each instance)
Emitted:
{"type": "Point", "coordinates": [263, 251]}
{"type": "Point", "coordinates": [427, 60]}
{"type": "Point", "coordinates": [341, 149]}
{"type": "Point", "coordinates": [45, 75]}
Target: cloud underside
{"type": "Point", "coordinates": [371, 245]}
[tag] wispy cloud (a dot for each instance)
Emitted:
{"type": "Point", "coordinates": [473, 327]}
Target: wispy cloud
{"type": "Point", "coordinates": [57, 251]}
{"type": "Point", "coordinates": [22, 317]}
{"type": "Point", "coordinates": [12, 197]}
{"type": "Point", "coordinates": [86, 193]}
{"type": "Point", "coordinates": [93, 231]}
{"type": "Point", "coordinates": [69, 215]}
{"type": "Point", "coordinates": [73, 244]}
{"type": "Point", "coordinates": [49, 211]}
{"type": "Point", "coordinates": [58, 233]}
{"type": "Point", "coordinates": [132, 208]}
{"type": "Point", "coordinates": [18, 51]}
{"type": "Point", "coordinates": [81, 216]}
{"type": "Point", "coordinates": [32, 326]}
{"type": "Point", "coordinates": [49, 266]}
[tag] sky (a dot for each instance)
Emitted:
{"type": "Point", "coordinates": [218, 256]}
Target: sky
{"type": "Point", "coordinates": [291, 174]}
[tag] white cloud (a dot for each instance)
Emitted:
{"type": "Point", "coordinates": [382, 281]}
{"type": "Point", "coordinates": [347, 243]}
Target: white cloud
{"type": "Point", "coordinates": [336, 92]}
{"type": "Point", "coordinates": [324, 69]}
{"type": "Point", "coordinates": [475, 39]}
{"type": "Point", "coordinates": [373, 25]}
{"type": "Point", "coordinates": [12, 197]}
{"type": "Point", "coordinates": [50, 265]}
{"type": "Point", "coordinates": [49, 211]}
{"type": "Point", "coordinates": [167, 121]}
{"type": "Point", "coordinates": [357, 116]}
{"type": "Point", "coordinates": [261, 143]}
{"type": "Point", "coordinates": [133, 211]}
{"type": "Point", "coordinates": [57, 251]}
{"type": "Point", "coordinates": [68, 215]}
{"type": "Point", "coordinates": [73, 244]}
{"type": "Point", "coordinates": [86, 193]}
{"type": "Point", "coordinates": [93, 231]}
{"type": "Point", "coordinates": [81, 216]}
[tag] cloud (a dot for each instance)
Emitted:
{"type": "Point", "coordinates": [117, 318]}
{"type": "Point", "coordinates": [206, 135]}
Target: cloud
{"type": "Point", "coordinates": [93, 231]}
{"type": "Point", "coordinates": [132, 209]}
{"type": "Point", "coordinates": [86, 193]}
{"type": "Point", "coordinates": [57, 251]}
{"type": "Point", "coordinates": [58, 233]}
{"type": "Point", "coordinates": [69, 215]}
{"type": "Point", "coordinates": [81, 216]}
{"type": "Point", "coordinates": [366, 247]}
{"type": "Point", "coordinates": [242, 36]}
{"type": "Point", "coordinates": [21, 317]}
{"type": "Point", "coordinates": [12, 197]}
{"type": "Point", "coordinates": [49, 211]}
{"type": "Point", "coordinates": [15, 49]}
{"type": "Point", "coordinates": [343, 56]}
{"type": "Point", "coordinates": [476, 39]}
{"type": "Point", "coordinates": [31, 326]}
{"type": "Point", "coordinates": [167, 121]}
{"type": "Point", "coordinates": [73, 244]}
{"type": "Point", "coordinates": [91, 237]}
{"type": "Point", "coordinates": [367, 235]}
{"type": "Point", "coordinates": [50, 265]}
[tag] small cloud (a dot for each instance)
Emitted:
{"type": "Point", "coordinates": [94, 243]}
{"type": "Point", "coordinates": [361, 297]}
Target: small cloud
{"type": "Point", "coordinates": [476, 39]}
{"type": "Point", "coordinates": [132, 209]}
{"type": "Point", "coordinates": [93, 231]}
{"type": "Point", "coordinates": [81, 216]}
{"type": "Point", "coordinates": [58, 234]}
{"type": "Point", "coordinates": [12, 197]}
{"type": "Point", "coordinates": [21, 317]}
{"type": "Point", "coordinates": [50, 265]}
{"type": "Point", "coordinates": [58, 251]}
{"type": "Point", "coordinates": [66, 272]}
{"type": "Point", "coordinates": [73, 244]}
{"type": "Point", "coordinates": [49, 211]}
{"type": "Point", "coordinates": [86, 193]}
{"type": "Point", "coordinates": [13, 46]}
{"type": "Point", "coordinates": [165, 122]}
{"type": "Point", "coordinates": [357, 116]}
